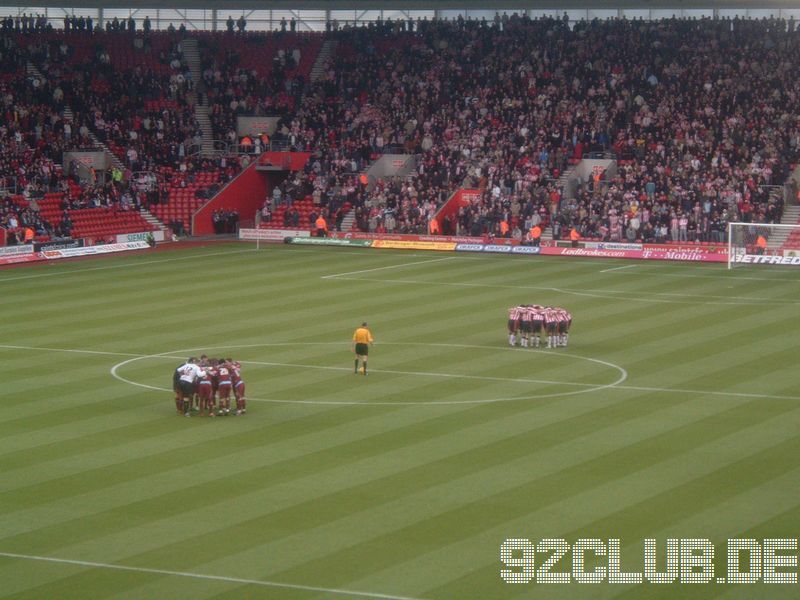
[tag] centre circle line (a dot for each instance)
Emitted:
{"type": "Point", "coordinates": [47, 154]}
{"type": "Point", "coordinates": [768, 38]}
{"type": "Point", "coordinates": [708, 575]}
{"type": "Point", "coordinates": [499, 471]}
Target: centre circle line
{"type": "Point", "coordinates": [587, 387]}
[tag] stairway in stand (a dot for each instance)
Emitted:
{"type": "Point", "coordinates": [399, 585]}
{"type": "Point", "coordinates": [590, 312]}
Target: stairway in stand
{"type": "Point", "coordinates": [561, 184]}
{"type": "Point", "coordinates": [778, 236]}
{"type": "Point", "coordinates": [349, 219]}
{"type": "Point", "coordinates": [151, 219]}
{"type": "Point", "coordinates": [70, 116]}
{"type": "Point", "coordinates": [325, 54]}
{"type": "Point", "coordinates": [191, 52]}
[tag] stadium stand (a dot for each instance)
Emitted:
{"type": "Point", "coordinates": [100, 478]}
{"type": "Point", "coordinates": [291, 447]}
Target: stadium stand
{"type": "Point", "coordinates": [700, 116]}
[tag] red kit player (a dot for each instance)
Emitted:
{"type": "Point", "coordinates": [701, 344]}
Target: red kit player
{"type": "Point", "coordinates": [206, 392]}
{"type": "Point", "coordinates": [238, 386]}
{"type": "Point", "coordinates": [224, 387]}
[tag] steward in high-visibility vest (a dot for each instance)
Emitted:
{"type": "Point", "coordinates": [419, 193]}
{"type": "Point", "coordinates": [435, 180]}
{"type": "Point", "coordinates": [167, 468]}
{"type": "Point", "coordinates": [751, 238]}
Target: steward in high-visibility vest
{"type": "Point", "coordinates": [536, 235]}
{"type": "Point", "coordinates": [322, 226]}
{"type": "Point", "coordinates": [433, 227]}
{"type": "Point", "coordinates": [574, 236]}
{"type": "Point", "coordinates": [761, 244]}
{"type": "Point", "coordinates": [503, 228]}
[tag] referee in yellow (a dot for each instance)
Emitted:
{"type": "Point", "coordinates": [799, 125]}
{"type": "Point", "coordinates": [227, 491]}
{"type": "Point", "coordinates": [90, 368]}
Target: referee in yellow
{"type": "Point", "coordinates": [362, 340]}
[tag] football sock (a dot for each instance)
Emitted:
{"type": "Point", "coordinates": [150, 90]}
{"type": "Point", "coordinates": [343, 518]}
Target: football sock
{"type": "Point", "coordinates": [365, 367]}
{"type": "Point", "coordinates": [511, 339]}
{"type": "Point", "coordinates": [356, 367]}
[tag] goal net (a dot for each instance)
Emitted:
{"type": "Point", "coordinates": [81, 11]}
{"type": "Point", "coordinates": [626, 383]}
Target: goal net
{"type": "Point", "coordinates": [763, 244]}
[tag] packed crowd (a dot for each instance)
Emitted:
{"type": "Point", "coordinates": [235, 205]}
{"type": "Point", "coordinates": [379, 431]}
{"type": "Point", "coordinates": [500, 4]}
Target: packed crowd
{"type": "Point", "coordinates": [233, 86]}
{"type": "Point", "coordinates": [143, 112]}
{"type": "Point", "coordinates": [701, 113]}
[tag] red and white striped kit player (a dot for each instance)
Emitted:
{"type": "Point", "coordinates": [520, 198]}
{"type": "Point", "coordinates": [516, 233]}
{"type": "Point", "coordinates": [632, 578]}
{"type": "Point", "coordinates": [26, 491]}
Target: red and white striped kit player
{"type": "Point", "coordinates": [537, 323]}
{"type": "Point", "coordinates": [562, 326]}
{"type": "Point", "coordinates": [551, 325]}
{"type": "Point", "coordinates": [514, 315]}
{"type": "Point", "coordinates": [525, 325]}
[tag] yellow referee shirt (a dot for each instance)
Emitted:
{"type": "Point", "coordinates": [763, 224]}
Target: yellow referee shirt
{"type": "Point", "coordinates": [362, 336]}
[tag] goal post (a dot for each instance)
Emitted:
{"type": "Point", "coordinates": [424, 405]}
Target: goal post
{"type": "Point", "coordinates": [763, 244]}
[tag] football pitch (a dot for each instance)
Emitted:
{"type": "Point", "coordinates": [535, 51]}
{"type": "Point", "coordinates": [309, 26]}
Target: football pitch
{"type": "Point", "coordinates": [674, 413]}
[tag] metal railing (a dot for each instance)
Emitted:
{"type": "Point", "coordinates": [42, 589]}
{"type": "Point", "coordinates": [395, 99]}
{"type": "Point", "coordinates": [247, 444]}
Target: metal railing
{"type": "Point", "coordinates": [194, 149]}
{"type": "Point", "coordinates": [9, 186]}
{"type": "Point", "coordinates": [147, 181]}
{"type": "Point", "coordinates": [606, 154]}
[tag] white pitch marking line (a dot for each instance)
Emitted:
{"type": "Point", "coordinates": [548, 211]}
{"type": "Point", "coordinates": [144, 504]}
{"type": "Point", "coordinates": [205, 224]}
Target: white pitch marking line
{"type": "Point", "coordinates": [260, 582]}
{"type": "Point", "coordinates": [694, 267]}
{"type": "Point", "coordinates": [129, 265]}
{"type": "Point", "coordinates": [597, 294]}
{"type": "Point", "coordinates": [171, 354]}
{"type": "Point", "coordinates": [416, 373]}
{"type": "Point", "coordinates": [11, 347]}
{"type": "Point", "coordinates": [419, 262]}
{"type": "Point", "coordinates": [429, 374]}
{"type": "Point", "coordinates": [618, 268]}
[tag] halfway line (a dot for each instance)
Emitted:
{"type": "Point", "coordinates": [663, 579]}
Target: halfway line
{"type": "Point", "coordinates": [274, 584]}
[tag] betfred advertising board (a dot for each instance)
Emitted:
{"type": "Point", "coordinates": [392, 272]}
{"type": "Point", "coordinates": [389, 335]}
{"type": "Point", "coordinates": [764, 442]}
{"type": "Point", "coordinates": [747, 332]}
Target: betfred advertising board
{"type": "Point", "coordinates": [758, 259]}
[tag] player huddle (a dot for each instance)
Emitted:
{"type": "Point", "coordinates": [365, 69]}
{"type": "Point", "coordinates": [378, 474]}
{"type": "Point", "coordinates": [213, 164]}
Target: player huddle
{"type": "Point", "coordinates": [530, 322]}
{"type": "Point", "coordinates": [206, 386]}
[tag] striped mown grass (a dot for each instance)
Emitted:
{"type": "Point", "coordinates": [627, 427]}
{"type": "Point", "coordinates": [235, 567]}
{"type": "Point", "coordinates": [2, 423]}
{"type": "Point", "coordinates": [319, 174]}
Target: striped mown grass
{"type": "Point", "coordinates": [673, 413]}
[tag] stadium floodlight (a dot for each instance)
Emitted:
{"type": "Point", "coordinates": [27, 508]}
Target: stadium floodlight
{"type": "Point", "coordinates": [763, 244]}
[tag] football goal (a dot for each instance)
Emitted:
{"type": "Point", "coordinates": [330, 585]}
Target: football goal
{"type": "Point", "coordinates": [763, 244]}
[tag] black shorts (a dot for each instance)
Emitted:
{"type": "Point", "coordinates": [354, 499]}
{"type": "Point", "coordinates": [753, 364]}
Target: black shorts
{"type": "Point", "coordinates": [362, 349]}
{"type": "Point", "coordinates": [187, 389]}
{"type": "Point", "coordinates": [562, 327]}
{"type": "Point", "coordinates": [525, 326]}
{"type": "Point", "coordinates": [537, 326]}
{"type": "Point", "coordinates": [551, 327]}
{"type": "Point", "coordinates": [512, 325]}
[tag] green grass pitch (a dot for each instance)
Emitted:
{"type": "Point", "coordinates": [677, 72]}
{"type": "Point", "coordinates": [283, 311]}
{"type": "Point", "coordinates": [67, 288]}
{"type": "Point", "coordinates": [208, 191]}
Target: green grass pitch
{"type": "Point", "coordinates": [674, 412]}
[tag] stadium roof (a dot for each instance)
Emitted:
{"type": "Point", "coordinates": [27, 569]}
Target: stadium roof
{"type": "Point", "coordinates": [503, 5]}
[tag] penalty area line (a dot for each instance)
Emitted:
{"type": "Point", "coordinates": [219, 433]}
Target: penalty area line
{"type": "Point", "coordinates": [419, 262]}
{"type": "Point", "coordinates": [123, 266]}
{"type": "Point", "coordinates": [222, 578]}
{"type": "Point", "coordinates": [618, 268]}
